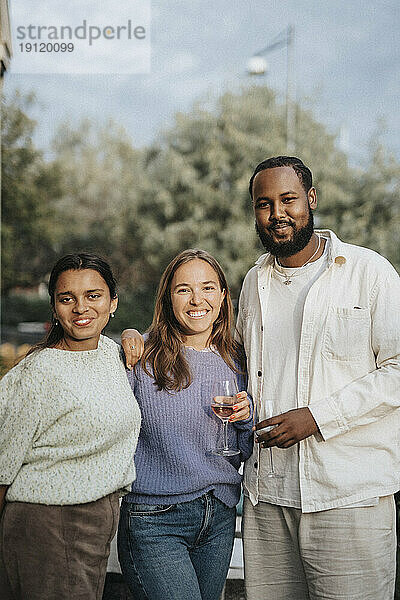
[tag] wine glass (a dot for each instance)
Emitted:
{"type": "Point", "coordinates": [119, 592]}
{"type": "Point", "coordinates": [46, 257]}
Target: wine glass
{"type": "Point", "coordinates": [222, 403]}
{"type": "Point", "coordinates": [269, 412]}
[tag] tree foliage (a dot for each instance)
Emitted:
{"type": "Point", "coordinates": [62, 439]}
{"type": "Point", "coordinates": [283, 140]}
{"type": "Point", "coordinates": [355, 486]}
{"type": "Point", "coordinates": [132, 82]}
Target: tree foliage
{"type": "Point", "coordinates": [29, 189]}
{"type": "Point", "coordinates": [139, 207]}
{"type": "Point", "coordinates": [200, 170]}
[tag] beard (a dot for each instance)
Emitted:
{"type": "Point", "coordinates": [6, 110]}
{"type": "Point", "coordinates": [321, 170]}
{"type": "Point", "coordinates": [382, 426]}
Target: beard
{"type": "Point", "coordinates": [283, 249]}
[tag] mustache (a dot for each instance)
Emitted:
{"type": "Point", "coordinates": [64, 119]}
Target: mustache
{"type": "Point", "coordinates": [275, 223]}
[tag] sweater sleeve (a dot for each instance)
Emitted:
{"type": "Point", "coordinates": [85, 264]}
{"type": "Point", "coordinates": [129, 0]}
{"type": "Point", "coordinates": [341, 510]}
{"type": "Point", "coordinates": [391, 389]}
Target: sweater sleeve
{"type": "Point", "coordinates": [242, 383]}
{"type": "Point", "coordinates": [133, 379]}
{"type": "Point", "coordinates": [245, 427]}
{"type": "Point", "coordinates": [245, 438]}
{"type": "Point", "coordinates": [19, 418]}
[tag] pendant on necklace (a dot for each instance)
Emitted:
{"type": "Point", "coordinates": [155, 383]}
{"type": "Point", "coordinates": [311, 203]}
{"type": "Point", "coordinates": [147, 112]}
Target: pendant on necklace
{"type": "Point", "coordinates": [287, 282]}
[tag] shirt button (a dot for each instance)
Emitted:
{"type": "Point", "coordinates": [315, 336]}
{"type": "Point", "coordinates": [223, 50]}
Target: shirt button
{"type": "Point", "coordinates": [255, 465]}
{"type": "Point", "coordinates": [259, 373]}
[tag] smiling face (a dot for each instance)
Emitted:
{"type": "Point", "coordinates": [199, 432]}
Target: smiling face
{"type": "Point", "coordinates": [282, 209]}
{"type": "Point", "coordinates": [82, 305]}
{"type": "Point", "coordinates": [196, 297]}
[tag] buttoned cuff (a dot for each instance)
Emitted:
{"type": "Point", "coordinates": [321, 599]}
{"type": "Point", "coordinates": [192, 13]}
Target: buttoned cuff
{"type": "Point", "coordinates": [326, 417]}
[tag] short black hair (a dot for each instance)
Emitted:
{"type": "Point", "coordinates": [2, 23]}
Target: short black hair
{"type": "Point", "coordinates": [303, 173]}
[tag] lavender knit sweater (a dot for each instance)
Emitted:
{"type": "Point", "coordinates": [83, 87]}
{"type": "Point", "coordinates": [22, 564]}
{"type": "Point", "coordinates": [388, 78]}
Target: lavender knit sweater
{"type": "Point", "coordinates": [173, 460]}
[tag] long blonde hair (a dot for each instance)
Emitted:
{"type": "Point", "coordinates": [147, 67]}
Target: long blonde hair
{"type": "Point", "coordinates": [163, 358]}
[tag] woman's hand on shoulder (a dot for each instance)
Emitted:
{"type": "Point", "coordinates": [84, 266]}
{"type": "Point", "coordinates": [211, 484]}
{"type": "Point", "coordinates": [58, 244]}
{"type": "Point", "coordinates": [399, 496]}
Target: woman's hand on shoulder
{"type": "Point", "coordinates": [241, 408]}
{"type": "Point", "coordinates": [133, 345]}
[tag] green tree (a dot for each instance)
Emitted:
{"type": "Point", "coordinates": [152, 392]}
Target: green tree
{"type": "Point", "coordinates": [103, 178]}
{"type": "Point", "coordinates": [373, 220]}
{"type": "Point", "coordinates": [29, 189]}
{"type": "Point", "coordinates": [190, 188]}
{"type": "Point", "coordinates": [200, 170]}
{"type": "Point", "coordinates": [138, 208]}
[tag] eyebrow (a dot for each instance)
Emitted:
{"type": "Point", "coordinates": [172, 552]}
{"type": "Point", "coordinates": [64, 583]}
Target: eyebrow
{"type": "Point", "coordinates": [283, 194]}
{"type": "Point", "coordinates": [202, 283]}
{"type": "Point", "coordinates": [87, 292]}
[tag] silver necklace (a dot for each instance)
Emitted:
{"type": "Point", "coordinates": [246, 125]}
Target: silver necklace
{"type": "Point", "coordinates": [288, 277]}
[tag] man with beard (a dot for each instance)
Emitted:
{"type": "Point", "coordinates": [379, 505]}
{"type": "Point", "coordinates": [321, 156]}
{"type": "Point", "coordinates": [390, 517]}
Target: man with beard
{"type": "Point", "coordinates": [320, 323]}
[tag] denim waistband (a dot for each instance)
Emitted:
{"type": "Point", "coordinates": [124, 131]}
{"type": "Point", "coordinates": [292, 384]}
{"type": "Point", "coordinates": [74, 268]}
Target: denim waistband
{"type": "Point", "coordinates": [167, 500]}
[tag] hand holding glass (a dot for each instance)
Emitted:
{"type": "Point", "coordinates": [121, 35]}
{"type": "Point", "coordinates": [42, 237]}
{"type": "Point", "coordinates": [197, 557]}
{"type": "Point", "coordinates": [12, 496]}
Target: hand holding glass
{"type": "Point", "coordinates": [223, 400]}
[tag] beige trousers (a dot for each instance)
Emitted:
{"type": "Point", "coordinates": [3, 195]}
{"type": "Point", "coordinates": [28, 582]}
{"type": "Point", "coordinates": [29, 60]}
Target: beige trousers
{"type": "Point", "coordinates": [56, 552]}
{"type": "Point", "coordinates": [339, 554]}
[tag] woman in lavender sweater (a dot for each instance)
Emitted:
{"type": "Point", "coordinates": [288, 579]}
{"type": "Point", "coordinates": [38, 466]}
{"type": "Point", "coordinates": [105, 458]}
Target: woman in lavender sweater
{"type": "Point", "coordinates": [177, 524]}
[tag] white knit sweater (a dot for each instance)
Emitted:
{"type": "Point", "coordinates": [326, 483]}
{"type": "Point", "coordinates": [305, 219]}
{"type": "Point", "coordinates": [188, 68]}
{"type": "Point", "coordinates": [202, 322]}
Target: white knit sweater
{"type": "Point", "coordinates": [69, 425]}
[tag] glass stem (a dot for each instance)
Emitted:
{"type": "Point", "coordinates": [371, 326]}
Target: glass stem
{"type": "Point", "coordinates": [271, 461]}
{"type": "Point", "coordinates": [226, 447]}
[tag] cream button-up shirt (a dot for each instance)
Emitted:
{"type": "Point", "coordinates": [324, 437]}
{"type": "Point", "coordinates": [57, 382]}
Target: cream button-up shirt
{"type": "Point", "coordinates": [348, 375]}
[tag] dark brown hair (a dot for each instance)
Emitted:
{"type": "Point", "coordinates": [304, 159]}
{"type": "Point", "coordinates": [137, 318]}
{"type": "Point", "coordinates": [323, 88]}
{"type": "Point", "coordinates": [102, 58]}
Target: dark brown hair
{"type": "Point", "coordinates": [163, 357]}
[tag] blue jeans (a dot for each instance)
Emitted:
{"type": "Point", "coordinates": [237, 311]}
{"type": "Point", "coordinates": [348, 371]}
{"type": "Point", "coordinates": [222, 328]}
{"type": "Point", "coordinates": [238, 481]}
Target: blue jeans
{"type": "Point", "coordinates": [178, 551]}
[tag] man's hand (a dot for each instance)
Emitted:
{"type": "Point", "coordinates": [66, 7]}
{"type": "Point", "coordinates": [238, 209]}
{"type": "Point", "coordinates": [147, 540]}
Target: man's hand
{"type": "Point", "coordinates": [133, 345]}
{"type": "Point", "coordinates": [289, 428]}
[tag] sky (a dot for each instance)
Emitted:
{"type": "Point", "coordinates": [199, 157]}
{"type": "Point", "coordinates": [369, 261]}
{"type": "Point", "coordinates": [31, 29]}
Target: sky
{"type": "Point", "coordinates": [346, 63]}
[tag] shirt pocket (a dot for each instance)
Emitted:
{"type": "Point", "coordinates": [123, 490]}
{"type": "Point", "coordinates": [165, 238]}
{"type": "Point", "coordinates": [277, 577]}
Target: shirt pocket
{"type": "Point", "coordinates": [347, 334]}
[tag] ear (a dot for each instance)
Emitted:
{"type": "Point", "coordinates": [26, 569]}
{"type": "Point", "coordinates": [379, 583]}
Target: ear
{"type": "Point", "coordinates": [312, 198]}
{"type": "Point", "coordinates": [113, 305]}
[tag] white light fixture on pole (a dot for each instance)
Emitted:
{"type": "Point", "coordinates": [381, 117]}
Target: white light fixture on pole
{"type": "Point", "coordinates": [257, 65]}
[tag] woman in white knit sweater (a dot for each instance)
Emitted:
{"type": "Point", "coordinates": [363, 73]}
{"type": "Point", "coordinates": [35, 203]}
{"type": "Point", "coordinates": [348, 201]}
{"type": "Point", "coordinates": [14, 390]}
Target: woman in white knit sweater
{"type": "Point", "coordinates": [69, 425]}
